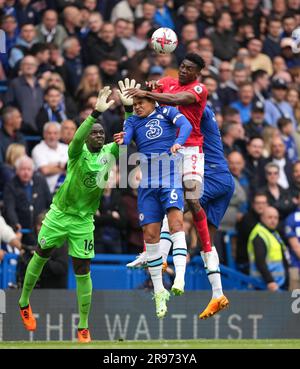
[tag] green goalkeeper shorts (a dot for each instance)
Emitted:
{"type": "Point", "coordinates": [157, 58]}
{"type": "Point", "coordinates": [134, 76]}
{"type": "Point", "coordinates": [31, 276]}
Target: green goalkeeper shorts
{"type": "Point", "coordinates": [59, 227]}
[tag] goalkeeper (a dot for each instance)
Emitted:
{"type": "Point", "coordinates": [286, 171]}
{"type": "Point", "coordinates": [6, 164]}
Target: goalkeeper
{"type": "Point", "coordinates": [71, 214]}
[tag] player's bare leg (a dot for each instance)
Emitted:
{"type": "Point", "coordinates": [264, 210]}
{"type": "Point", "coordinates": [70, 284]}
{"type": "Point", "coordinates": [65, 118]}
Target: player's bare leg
{"type": "Point", "coordinates": [84, 296]}
{"type": "Point", "coordinates": [177, 235]}
{"type": "Point", "coordinates": [218, 301]}
{"type": "Point", "coordinates": [192, 196]}
{"type": "Point", "coordinates": [33, 272]}
{"type": "Point", "coordinates": [154, 261]}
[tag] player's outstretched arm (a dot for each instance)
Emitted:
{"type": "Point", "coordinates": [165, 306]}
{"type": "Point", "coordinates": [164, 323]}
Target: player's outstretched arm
{"type": "Point", "coordinates": [181, 98]}
{"type": "Point", "coordinates": [83, 131]}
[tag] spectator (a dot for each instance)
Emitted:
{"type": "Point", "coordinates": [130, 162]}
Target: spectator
{"type": "Point", "coordinates": [190, 15]}
{"type": "Point", "coordinates": [49, 31]}
{"type": "Point", "coordinates": [7, 168]}
{"type": "Point", "coordinates": [109, 71]}
{"type": "Point", "coordinates": [278, 197]}
{"type": "Point", "coordinates": [278, 156]}
{"type": "Point", "coordinates": [25, 196]}
{"type": "Point", "coordinates": [266, 251]}
{"type": "Point", "coordinates": [244, 104]}
{"type": "Point", "coordinates": [261, 84]}
{"type": "Point", "coordinates": [257, 59]}
{"type": "Point", "coordinates": [8, 236]}
{"type": "Point", "coordinates": [141, 29]}
{"type": "Point", "coordinates": [269, 134]}
{"type": "Point", "coordinates": [90, 83]}
{"type": "Point", "coordinates": [25, 93]}
{"type": "Point", "coordinates": [50, 156]}
{"type": "Point", "coordinates": [237, 206]}
{"type": "Point", "coordinates": [10, 27]}
{"type": "Point", "coordinates": [285, 126]}
{"type": "Point", "coordinates": [231, 133]}
{"type": "Point", "coordinates": [42, 54]}
{"type": "Point", "coordinates": [291, 59]}
{"type": "Point", "coordinates": [222, 38]}
{"type": "Point", "coordinates": [288, 24]}
{"type": "Point", "coordinates": [68, 129]}
{"type": "Point", "coordinates": [95, 23]}
{"type": "Point", "coordinates": [255, 164]}
{"type": "Point", "coordinates": [163, 16]}
{"type": "Point", "coordinates": [213, 99]}
{"type": "Point", "coordinates": [256, 125]}
{"type": "Point", "coordinates": [73, 62]}
{"type": "Point", "coordinates": [53, 109]}
{"type": "Point", "coordinates": [24, 42]}
{"type": "Point", "coordinates": [110, 219]}
{"type": "Point", "coordinates": [124, 9]}
{"type": "Point", "coordinates": [277, 107]}
{"type": "Point", "coordinates": [139, 67]}
{"type": "Point", "coordinates": [292, 234]}
{"type": "Point", "coordinates": [207, 18]}
{"type": "Point", "coordinates": [189, 33]}
{"type": "Point", "coordinates": [148, 11]}
{"type": "Point", "coordinates": [236, 164]}
{"type": "Point", "coordinates": [106, 44]}
{"type": "Point", "coordinates": [245, 226]}
{"type": "Point", "coordinates": [25, 12]}
{"type": "Point", "coordinates": [279, 65]}
{"type": "Point", "coordinates": [72, 20]}
{"type": "Point", "coordinates": [293, 98]}
{"type": "Point", "coordinates": [10, 130]}
{"type": "Point", "coordinates": [229, 93]}
{"type": "Point", "coordinates": [271, 46]}
{"type": "Point", "coordinates": [295, 185]}
{"type": "Point", "coordinates": [55, 80]}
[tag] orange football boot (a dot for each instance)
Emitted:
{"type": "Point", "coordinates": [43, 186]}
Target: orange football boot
{"type": "Point", "coordinates": [214, 306]}
{"type": "Point", "coordinates": [83, 335]}
{"type": "Point", "coordinates": [28, 318]}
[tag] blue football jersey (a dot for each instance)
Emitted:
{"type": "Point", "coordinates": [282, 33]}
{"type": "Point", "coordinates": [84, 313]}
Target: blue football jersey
{"type": "Point", "coordinates": [214, 158]}
{"type": "Point", "coordinates": [154, 135]}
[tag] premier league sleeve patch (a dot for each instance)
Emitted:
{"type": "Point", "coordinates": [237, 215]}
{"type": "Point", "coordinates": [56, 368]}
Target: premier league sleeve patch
{"type": "Point", "coordinates": [198, 89]}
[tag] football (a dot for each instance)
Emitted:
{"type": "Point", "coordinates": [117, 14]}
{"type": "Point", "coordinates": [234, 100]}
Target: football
{"type": "Point", "coordinates": [164, 40]}
{"type": "Point", "coordinates": [296, 40]}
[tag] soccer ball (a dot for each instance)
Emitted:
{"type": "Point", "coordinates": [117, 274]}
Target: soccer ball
{"type": "Point", "coordinates": [296, 40]}
{"type": "Point", "coordinates": [164, 41]}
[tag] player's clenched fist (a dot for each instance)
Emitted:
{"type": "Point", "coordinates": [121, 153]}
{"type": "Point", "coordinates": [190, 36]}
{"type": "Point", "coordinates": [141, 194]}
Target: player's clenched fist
{"type": "Point", "coordinates": [119, 138]}
{"type": "Point", "coordinates": [127, 84]}
{"type": "Point", "coordinates": [175, 148]}
{"type": "Point", "coordinates": [102, 104]}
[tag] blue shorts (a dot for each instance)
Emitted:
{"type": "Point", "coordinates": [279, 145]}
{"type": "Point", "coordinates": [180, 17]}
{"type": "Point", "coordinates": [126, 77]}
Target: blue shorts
{"type": "Point", "coordinates": [218, 190]}
{"type": "Point", "coordinates": [153, 203]}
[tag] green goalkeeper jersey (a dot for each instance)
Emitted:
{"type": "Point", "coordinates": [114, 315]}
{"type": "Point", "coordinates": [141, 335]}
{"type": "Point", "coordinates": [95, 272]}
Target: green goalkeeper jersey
{"type": "Point", "coordinates": [87, 174]}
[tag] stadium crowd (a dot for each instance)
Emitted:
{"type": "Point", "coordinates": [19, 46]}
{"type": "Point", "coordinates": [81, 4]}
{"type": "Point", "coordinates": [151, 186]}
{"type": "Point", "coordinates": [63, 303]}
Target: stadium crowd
{"type": "Point", "coordinates": [60, 53]}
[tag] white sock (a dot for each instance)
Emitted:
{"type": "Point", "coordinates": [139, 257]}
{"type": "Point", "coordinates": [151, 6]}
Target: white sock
{"type": "Point", "coordinates": [165, 242]}
{"type": "Point", "coordinates": [214, 277]}
{"type": "Point", "coordinates": [179, 253]}
{"type": "Point", "coordinates": [154, 261]}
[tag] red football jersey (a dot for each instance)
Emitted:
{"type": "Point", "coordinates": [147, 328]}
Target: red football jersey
{"type": "Point", "coordinates": [193, 112]}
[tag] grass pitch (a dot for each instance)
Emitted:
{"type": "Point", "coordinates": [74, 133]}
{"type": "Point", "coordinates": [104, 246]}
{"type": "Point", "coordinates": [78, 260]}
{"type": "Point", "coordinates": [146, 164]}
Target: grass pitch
{"type": "Point", "coordinates": [156, 344]}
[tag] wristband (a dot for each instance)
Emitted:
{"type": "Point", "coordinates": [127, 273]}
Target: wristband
{"type": "Point", "coordinates": [128, 108]}
{"type": "Point", "coordinates": [96, 114]}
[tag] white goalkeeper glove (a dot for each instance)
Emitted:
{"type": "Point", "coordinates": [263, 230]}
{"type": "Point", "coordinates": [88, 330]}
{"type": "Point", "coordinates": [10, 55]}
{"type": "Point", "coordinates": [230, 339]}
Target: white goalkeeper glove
{"type": "Point", "coordinates": [102, 104]}
{"type": "Point", "coordinates": [127, 101]}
